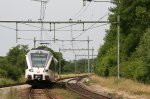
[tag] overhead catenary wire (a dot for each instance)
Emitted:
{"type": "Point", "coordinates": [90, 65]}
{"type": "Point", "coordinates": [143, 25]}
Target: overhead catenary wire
{"type": "Point", "coordinates": [72, 38]}
{"type": "Point", "coordinates": [96, 26]}
{"type": "Point", "coordinates": [89, 29]}
{"type": "Point", "coordinates": [100, 19]}
{"type": "Point", "coordinates": [74, 17]}
{"type": "Point", "coordinates": [92, 12]}
{"type": "Point", "coordinates": [44, 8]}
{"type": "Point", "coordinates": [85, 8]}
{"type": "Point", "coordinates": [7, 27]}
{"type": "Point", "coordinates": [78, 42]}
{"type": "Point", "coordinates": [85, 29]}
{"type": "Point", "coordinates": [71, 25]}
{"type": "Point", "coordinates": [43, 29]}
{"type": "Point", "coordinates": [48, 29]}
{"type": "Point", "coordinates": [42, 15]}
{"type": "Point", "coordinates": [91, 26]}
{"type": "Point", "coordinates": [64, 44]}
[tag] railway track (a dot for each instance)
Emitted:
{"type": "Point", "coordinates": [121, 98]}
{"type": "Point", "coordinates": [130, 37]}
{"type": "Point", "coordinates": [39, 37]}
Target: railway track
{"type": "Point", "coordinates": [74, 86]}
{"type": "Point", "coordinates": [40, 93]}
{"type": "Point", "coordinates": [44, 92]}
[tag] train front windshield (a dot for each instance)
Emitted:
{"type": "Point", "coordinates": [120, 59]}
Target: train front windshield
{"type": "Point", "coordinates": [38, 59]}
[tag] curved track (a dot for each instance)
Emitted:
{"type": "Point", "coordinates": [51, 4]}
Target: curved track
{"type": "Point", "coordinates": [73, 85]}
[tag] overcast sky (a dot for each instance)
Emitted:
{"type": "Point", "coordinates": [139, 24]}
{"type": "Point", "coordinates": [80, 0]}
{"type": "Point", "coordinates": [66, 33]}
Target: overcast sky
{"type": "Point", "coordinates": [56, 10]}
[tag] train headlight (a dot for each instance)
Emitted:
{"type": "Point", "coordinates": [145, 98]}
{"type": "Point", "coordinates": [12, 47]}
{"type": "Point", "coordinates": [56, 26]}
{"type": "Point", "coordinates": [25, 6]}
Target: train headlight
{"type": "Point", "coordinates": [29, 77]}
{"type": "Point", "coordinates": [31, 70]}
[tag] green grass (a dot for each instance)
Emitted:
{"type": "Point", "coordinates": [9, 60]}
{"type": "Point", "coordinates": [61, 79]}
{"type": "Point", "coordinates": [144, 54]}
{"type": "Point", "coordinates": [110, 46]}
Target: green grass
{"type": "Point", "coordinates": [90, 82]}
{"type": "Point", "coordinates": [5, 81]}
{"type": "Point", "coordinates": [126, 86]}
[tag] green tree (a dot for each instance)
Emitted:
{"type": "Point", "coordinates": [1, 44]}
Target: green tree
{"type": "Point", "coordinates": [142, 72]}
{"type": "Point", "coordinates": [134, 42]}
{"type": "Point", "coordinates": [16, 56]}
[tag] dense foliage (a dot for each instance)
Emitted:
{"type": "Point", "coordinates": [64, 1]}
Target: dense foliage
{"type": "Point", "coordinates": [81, 66]}
{"type": "Point", "coordinates": [13, 65]}
{"type": "Point", "coordinates": [134, 42]}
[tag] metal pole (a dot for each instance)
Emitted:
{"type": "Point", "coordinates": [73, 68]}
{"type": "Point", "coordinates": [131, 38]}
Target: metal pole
{"type": "Point", "coordinates": [92, 59]}
{"type": "Point", "coordinates": [34, 42]}
{"type": "Point", "coordinates": [54, 32]}
{"type": "Point", "coordinates": [59, 62]}
{"type": "Point", "coordinates": [85, 65]}
{"type": "Point", "coordinates": [88, 58]}
{"type": "Point", "coordinates": [84, 2]}
{"type": "Point", "coordinates": [75, 64]}
{"type": "Point", "coordinates": [83, 27]}
{"type": "Point", "coordinates": [42, 32]}
{"type": "Point", "coordinates": [16, 32]}
{"type": "Point", "coordinates": [118, 41]}
{"type": "Point", "coordinates": [50, 27]}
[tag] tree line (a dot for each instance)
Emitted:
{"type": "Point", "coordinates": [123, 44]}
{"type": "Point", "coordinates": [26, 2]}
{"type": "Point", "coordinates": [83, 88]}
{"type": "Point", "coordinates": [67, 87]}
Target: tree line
{"type": "Point", "coordinates": [13, 65]}
{"type": "Point", "coordinates": [134, 42]}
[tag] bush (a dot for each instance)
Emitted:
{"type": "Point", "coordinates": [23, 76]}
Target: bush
{"type": "Point", "coordinates": [4, 81]}
{"type": "Point", "coordinates": [13, 72]}
{"type": "Point", "coordinates": [3, 73]}
{"type": "Point", "coordinates": [10, 71]}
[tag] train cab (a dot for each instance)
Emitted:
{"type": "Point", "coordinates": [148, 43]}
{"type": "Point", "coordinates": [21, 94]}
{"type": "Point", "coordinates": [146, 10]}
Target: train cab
{"type": "Point", "coordinates": [40, 66]}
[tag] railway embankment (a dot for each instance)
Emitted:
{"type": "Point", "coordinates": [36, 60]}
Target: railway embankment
{"type": "Point", "coordinates": [109, 87]}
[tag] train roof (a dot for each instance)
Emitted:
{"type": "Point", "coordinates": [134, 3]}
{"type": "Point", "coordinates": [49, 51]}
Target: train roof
{"type": "Point", "coordinates": [39, 51]}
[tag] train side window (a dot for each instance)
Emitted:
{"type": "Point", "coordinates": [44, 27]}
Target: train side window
{"type": "Point", "coordinates": [26, 65]}
{"type": "Point", "coordinates": [52, 65]}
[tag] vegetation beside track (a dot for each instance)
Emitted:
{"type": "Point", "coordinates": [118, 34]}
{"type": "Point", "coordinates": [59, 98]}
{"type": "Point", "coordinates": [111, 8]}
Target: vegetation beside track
{"type": "Point", "coordinates": [12, 66]}
{"type": "Point", "coordinates": [71, 75]}
{"type": "Point", "coordinates": [122, 88]}
{"type": "Point", "coordinates": [134, 42]}
{"type": "Point", "coordinates": [7, 81]}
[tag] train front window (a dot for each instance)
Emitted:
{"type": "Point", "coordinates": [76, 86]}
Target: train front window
{"type": "Point", "coordinates": [38, 59]}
